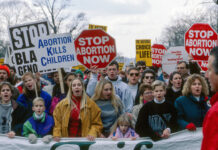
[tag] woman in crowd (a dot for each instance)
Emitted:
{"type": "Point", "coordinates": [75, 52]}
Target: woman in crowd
{"type": "Point", "coordinates": [174, 89]}
{"type": "Point", "coordinates": [145, 92]}
{"type": "Point", "coordinates": [77, 115]}
{"type": "Point", "coordinates": [110, 105]}
{"type": "Point", "coordinates": [31, 90]}
{"type": "Point", "coordinates": [56, 99]}
{"type": "Point", "coordinates": [192, 106]}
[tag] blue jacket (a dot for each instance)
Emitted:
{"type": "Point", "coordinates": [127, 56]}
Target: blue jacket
{"type": "Point", "coordinates": [23, 100]}
{"type": "Point", "coordinates": [38, 127]}
{"type": "Point", "coordinates": [190, 110]}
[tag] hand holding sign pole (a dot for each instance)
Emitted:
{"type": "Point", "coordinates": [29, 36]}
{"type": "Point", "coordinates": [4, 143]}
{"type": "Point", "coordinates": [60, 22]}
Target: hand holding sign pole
{"type": "Point", "coordinates": [95, 48]}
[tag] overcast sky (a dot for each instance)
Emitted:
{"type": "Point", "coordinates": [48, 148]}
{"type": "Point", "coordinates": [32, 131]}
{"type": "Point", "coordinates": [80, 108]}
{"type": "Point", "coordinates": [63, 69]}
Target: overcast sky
{"type": "Point", "coordinates": [128, 20]}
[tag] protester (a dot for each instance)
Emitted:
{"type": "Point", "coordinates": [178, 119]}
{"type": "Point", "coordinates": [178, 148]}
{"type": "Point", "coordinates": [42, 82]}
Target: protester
{"type": "Point", "coordinates": [145, 92]}
{"type": "Point", "coordinates": [121, 88]}
{"type": "Point", "coordinates": [7, 106]}
{"type": "Point", "coordinates": [210, 125]}
{"type": "Point", "coordinates": [40, 124]}
{"type": "Point", "coordinates": [31, 90]}
{"type": "Point", "coordinates": [110, 105]}
{"type": "Point", "coordinates": [123, 128]}
{"type": "Point", "coordinates": [4, 77]}
{"type": "Point", "coordinates": [148, 76]}
{"type": "Point", "coordinates": [183, 69]}
{"type": "Point", "coordinates": [157, 118]}
{"type": "Point", "coordinates": [192, 106]}
{"type": "Point", "coordinates": [141, 65]}
{"type": "Point", "coordinates": [133, 81]}
{"type": "Point", "coordinates": [77, 115]}
{"type": "Point", "coordinates": [174, 89]}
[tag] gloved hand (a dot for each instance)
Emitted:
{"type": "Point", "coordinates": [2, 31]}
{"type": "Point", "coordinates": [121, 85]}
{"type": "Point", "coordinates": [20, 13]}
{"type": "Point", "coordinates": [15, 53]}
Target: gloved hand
{"type": "Point", "coordinates": [191, 127]}
{"type": "Point", "coordinates": [32, 138]}
{"type": "Point", "coordinates": [47, 139]}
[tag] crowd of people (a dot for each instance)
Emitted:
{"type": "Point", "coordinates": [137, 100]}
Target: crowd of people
{"type": "Point", "coordinates": [105, 103]}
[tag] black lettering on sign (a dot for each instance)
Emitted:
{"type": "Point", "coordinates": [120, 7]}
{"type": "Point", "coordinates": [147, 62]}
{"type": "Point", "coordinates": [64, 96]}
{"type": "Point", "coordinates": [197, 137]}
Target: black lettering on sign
{"type": "Point", "coordinates": [22, 36]}
{"type": "Point", "coordinates": [143, 46]}
{"type": "Point", "coordinates": [144, 54]}
{"type": "Point", "coordinates": [25, 57]}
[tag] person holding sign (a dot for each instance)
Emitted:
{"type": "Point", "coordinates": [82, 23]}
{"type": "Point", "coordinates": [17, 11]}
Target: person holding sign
{"type": "Point", "coordinates": [192, 106]}
{"type": "Point", "coordinates": [31, 90]}
{"type": "Point", "coordinates": [77, 115]}
{"type": "Point", "coordinates": [210, 125]}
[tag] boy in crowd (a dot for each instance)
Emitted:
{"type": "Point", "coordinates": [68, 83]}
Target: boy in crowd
{"type": "Point", "coordinates": [40, 124]}
{"type": "Point", "coordinates": [157, 118]}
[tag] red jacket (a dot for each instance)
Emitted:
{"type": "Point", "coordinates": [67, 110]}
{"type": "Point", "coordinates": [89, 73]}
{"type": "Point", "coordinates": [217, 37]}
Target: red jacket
{"type": "Point", "coordinates": [210, 126]}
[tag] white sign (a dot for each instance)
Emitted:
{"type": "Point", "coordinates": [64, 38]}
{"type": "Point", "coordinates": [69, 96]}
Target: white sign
{"type": "Point", "coordinates": [183, 140]}
{"type": "Point", "coordinates": [180, 52]}
{"type": "Point", "coordinates": [169, 62]}
{"type": "Point", "coordinates": [22, 38]}
{"type": "Point", "coordinates": [55, 51]}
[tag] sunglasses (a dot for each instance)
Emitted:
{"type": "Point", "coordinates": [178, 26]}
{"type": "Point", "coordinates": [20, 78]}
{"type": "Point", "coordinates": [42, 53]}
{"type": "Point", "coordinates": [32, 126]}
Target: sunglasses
{"type": "Point", "coordinates": [132, 74]}
{"type": "Point", "coordinates": [143, 68]}
{"type": "Point", "coordinates": [149, 77]}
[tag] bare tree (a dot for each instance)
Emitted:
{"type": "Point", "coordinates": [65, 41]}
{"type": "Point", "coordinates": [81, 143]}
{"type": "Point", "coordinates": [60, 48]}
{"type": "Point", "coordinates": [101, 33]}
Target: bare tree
{"type": "Point", "coordinates": [59, 15]}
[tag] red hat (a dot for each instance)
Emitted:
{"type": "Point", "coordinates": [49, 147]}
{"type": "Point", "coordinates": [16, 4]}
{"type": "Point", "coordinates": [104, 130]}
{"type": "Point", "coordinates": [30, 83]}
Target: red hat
{"type": "Point", "coordinates": [4, 67]}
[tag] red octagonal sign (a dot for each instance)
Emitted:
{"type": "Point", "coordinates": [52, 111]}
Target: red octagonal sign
{"type": "Point", "coordinates": [95, 47]}
{"type": "Point", "coordinates": [199, 40]}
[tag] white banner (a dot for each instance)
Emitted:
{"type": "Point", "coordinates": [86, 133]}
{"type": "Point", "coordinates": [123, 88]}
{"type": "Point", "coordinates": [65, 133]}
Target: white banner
{"type": "Point", "coordinates": [183, 140]}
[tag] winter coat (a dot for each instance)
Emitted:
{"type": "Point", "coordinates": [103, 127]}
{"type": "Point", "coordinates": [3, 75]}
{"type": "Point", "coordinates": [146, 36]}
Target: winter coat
{"type": "Point", "coordinates": [121, 90]}
{"type": "Point", "coordinates": [171, 96]}
{"type": "Point", "coordinates": [190, 110]}
{"type": "Point", "coordinates": [90, 116]}
{"type": "Point", "coordinates": [210, 126]}
{"type": "Point", "coordinates": [38, 127]}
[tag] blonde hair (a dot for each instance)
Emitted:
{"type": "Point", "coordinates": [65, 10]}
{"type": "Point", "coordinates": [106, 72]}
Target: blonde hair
{"type": "Point", "coordinates": [98, 94]}
{"type": "Point", "coordinates": [158, 83]}
{"type": "Point", "coordinates": [83, 99]}
{"type": "Point", "coordinates": [38, 99]}
{"type": "Point", "coordinates": [123, 119]}
{"type": "Point", "coordinates": [25, 90]}
{"type": "Point", "coordinates": [187, 87]}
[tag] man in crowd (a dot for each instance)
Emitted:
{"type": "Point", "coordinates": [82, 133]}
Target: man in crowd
{"type": "Point", "coordinates": [183, 68]}
{"type": "Point", "coordinates": [141, 65]}
{"type": "Point", "coordinates": [210, 125]}
{"type": "Point", "coordinates": [133, 84]}
{"type": "Point", "coordinates": [121, 88]}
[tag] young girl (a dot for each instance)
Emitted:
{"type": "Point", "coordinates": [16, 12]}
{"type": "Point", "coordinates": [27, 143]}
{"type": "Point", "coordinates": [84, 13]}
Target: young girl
{"type": "Point", "coordinates": [123, 128]}
{"type": "Point", "coordinates": [110, 105]}
{"type": "Point", "coordinates": [7, 106]}
{"type": "Point", "coordinates": [157, 118]}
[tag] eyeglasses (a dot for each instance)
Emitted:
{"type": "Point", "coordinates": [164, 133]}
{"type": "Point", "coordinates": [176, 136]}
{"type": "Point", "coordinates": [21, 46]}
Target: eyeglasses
{"type": "Point", "coordinates": [132, 74]}
{"type": "Point", "coordinates": [147, 93]}
{"type": "Point", "coordinates": [149, 77]}
{"type": "Point", "coordinates": [143, 68]}
{"type": "Point", "coordinates": [180, 67]}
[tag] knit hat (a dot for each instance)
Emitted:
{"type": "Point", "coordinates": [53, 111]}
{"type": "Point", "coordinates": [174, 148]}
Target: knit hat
{"type": "Point", "coordinates": [4, 67]}
{"type": "Point", "coordinates": [79, 72]}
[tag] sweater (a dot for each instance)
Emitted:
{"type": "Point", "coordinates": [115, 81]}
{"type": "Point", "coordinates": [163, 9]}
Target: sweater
{"type": "Point", "coordinates": [5, 117]}
{"type": "Point", "coordinates": [190, 110]}
{"type": "Point", "coordinates": [154, 118]}
{"type": "Point", "coordinates": [129, 134]}
{"type": "Point", "coordinates": [108, 114]}
{"type": "Point", "coordinates": [171, 95]}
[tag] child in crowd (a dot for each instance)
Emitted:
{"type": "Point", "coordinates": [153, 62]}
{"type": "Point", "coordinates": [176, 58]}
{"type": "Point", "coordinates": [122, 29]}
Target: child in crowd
{"type": "Point", "coordinates": [7, 106]}
{"type": "Point", "coordinates": [157, 118]}
{"type": "Point", "coordinates": [40, 124]}
{"type": "Point", "coordinates": [123, 128]}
